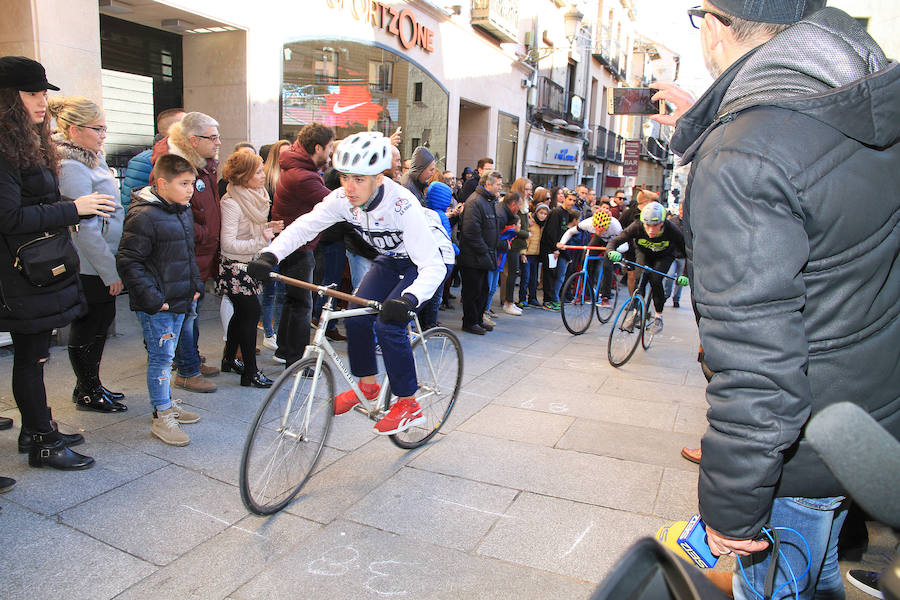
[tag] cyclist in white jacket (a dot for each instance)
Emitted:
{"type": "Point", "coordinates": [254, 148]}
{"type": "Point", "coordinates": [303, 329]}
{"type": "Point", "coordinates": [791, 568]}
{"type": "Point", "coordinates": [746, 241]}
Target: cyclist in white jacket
{"type": "Point", "coordinates": [406, 273]}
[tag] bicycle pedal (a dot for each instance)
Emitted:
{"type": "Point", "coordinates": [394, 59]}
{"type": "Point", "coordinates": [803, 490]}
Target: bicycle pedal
{"type": "Point", "coordinates": [375, 415]}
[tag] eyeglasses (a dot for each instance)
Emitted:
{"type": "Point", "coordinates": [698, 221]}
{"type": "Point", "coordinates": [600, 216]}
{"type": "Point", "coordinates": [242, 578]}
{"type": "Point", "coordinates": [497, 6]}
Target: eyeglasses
{"type": "Point", "coordinates": [100, 130]}
{"type": "Point", "coordinates": [699, 13]}
{"type": "Point", "coordinates": [212, 138]}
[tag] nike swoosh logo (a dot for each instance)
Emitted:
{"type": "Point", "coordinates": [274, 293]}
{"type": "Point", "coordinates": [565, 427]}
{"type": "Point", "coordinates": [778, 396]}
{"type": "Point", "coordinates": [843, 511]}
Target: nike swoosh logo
{"type": "Point", "coordinates": [338, 109]}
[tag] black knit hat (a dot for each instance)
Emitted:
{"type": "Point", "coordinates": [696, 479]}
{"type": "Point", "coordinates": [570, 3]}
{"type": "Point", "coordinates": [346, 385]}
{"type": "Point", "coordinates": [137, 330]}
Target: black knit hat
{"type": "Point", "coordinates": [23, 74]}
{"type": "Point", "coordinates": [769, 11]}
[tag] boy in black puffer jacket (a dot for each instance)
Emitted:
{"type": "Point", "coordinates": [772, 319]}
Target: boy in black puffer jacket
{"type": "Point", "coordinates": [156, 262]}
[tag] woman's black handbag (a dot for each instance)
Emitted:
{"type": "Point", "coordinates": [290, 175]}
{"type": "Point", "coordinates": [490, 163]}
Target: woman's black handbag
{"type": "Point", "coordinates": [47, 260]}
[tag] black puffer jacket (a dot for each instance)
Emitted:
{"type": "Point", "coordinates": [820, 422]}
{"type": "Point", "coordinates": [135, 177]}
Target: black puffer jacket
{"type": "Point", "coordinates": [156, 255]}
{"type": "Point", "coordinates": [479, 233]}
{"type": "Point", "coordinates": [30, 205]}
{"type": "Point", "coordinates": [793, 238]}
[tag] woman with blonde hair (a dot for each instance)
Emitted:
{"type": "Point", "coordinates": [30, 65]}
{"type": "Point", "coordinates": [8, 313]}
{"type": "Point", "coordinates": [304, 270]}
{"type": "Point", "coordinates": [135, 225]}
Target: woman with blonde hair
{"type": "Point", "coordinates": [246, 230]}
{"type": "Point", "coordinates": [272, 295]}
{"type": "Point", "coordinates": [36, 301]}
{"type": "Point", "coordinates": [81, 127]}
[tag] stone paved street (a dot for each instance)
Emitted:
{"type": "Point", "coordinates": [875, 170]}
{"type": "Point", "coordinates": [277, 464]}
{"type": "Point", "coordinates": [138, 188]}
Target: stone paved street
{"type": "Point", "coordinates": [550, 466]}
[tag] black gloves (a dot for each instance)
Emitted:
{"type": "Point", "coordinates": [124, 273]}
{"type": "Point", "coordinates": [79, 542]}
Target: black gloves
{"type": "Point", "coordinates": [398, 309]}
{"type": "Point", "coordinates": [262, 267]}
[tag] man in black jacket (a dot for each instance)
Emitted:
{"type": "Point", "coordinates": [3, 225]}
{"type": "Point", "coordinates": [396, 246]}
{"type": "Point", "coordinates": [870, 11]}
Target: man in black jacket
{"type": "Point", "coordinates": [485, 165]}
{"type": "Point", "coordinates": [478, 238]}
{"type": "Point", "coordinates": [796, 290]}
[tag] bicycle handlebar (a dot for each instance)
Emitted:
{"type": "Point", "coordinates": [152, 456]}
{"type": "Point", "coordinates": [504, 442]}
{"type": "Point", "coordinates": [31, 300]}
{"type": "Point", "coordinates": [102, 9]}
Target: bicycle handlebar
{"type": "Point", "coordinates": [320, 289]}
{"type": "Point", "coordinates": [646, 268]}
{"type": "Point", "coordinates": [599, 248]}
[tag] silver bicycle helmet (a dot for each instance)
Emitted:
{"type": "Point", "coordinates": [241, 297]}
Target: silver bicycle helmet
{"type": "Point", "coordinates": [653, 214]}
{"type": "Point", "coordinates": [364, 153]}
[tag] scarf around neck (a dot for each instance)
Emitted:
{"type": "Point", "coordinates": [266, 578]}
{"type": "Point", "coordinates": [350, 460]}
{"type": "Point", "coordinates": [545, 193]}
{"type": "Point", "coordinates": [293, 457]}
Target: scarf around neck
{"type": "Point", "coordinates": [254, 203]}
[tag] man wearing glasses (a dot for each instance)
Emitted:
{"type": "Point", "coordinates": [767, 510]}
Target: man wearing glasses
{"type": "Point", "coordinates": [796, 287]}
{"type": "Point", "coordinates": [196, 138]}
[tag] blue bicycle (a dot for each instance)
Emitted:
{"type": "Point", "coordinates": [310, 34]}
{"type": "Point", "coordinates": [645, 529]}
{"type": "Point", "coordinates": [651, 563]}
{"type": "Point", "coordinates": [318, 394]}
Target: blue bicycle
{"type": "Point", "coordinates": [580, 296]}
{"type": "Point", "coordinates": [635, 321]}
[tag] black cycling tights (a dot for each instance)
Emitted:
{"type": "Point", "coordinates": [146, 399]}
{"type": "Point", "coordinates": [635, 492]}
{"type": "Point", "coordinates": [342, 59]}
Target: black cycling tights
{"type": "Point", "coordinates": [661, 264]}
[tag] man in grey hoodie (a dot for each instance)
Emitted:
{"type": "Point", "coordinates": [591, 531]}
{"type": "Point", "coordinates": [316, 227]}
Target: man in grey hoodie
{"type": "Point", "coordinates": [420, 172]}
{"type": "Point", "coordinates": [797, 290]}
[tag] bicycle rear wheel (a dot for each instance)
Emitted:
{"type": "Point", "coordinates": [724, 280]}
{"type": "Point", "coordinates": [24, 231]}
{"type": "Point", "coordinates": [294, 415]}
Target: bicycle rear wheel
{"type": "Point", "coordinates": [439, 374]}
{"type": "Point", "coordinates": [605, 312]}
{"type": "Point", "coordinates": [626, 330]}
{"type": "Point", "coordinates": [287, 436]}
{"type": "Point", "coordinates": [578, 312]}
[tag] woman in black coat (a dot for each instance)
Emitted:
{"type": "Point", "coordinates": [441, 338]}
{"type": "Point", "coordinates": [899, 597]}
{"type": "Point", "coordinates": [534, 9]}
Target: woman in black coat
{"type": "Point", "coordinates": [30, 206]}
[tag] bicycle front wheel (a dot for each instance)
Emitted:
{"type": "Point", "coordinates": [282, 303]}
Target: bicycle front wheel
{"type": "Point", "coordinates": [649, 324]}
{"type": "Point", "coordinates": [605, 311]}
{"type": "Point", "coordinates": [578, 312]}
{"type": "Point", "coordinates": [287, 437]}
{"type": "Point", "coordinates": [626, 330]}
{"type": "Point", "coordinates": [439, 369]}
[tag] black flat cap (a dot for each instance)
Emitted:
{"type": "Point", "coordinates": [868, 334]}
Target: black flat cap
{"type": "Point", "coordinates": [23, 74]}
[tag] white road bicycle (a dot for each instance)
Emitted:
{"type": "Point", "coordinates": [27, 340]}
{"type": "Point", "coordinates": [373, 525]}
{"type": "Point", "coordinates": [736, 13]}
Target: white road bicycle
{"type": "Point", "coordinates": [289, 432]}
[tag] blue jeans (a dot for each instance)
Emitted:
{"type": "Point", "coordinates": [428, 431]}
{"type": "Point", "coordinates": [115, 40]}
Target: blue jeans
{"type": "Point", "coordinates": [562, 265]}
{"type": "Point", "coordinates": [359, 266]}
{"type": "Point", "coordinates": [493, 282]}
{"type": "Point", "coordinates": [270, 303]}
{"type": "Point", "coordinates": [187, 353]}
{"type": "Point", "coordinates": [675, 270]}
{"type": "Point", "coordinates": [161, 334]}
{"type": "Point", "coordinates": [819, 520]}
{"type": "Point", "coordinates": [386, 279]}
{"type": "Point", "coordinates": [530, 279]}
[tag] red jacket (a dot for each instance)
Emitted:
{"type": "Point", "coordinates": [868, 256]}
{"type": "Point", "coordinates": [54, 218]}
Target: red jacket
{"type": "Point", "coordinates": [300, 187]}
{"type": "Point", "coordinates": [204, 207]}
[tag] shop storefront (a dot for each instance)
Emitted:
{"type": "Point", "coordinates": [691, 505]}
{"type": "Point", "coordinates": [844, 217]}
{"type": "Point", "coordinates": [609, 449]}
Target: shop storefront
{"type": "Point", "coordinates": [553, 161]}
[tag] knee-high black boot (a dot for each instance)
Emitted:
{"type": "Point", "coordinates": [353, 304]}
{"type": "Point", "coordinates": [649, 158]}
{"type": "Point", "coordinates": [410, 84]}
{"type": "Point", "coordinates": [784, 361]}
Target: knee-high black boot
{"type": "Point", "coordinates": [97, 356]}
{"type": "Point", "coordinates": [87, 394]}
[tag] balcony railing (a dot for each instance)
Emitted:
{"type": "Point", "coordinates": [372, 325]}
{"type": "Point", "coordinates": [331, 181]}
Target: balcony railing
{"type": "Point", "coordinates": [609, 52]}
{"type": "Point", "coordinates": [608, 146]}
{"type": "Point", "coordinates": [551, 98]}
{"type": "Point", "coordinates": [500, 18]}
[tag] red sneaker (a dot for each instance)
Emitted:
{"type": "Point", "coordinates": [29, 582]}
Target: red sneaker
{"type": "Point", "coordinates": [347, 400]}
{"type": "Point", "coordinates": [405, 413]}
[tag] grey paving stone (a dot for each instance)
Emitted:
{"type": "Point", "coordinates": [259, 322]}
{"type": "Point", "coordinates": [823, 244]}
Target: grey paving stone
{"type": "Point", "coordinates": [627, 387]}
{"type": "Point", "coordinates": [341, 484]}
{"type": "Point", "coordinates": [447, 511]}
{"type": "Point", "coordinates": [350, 561]}
{"type": "Point", "coordinates": [49, 491]}
{"type": "Point", "coordinates": [45, 559]}
{"type": "Point", "coordinates": [600, 407]}
{"type": "Point", "coordinates": [569, 538]}
{"type": "Point", "coordinates": [467, 404]}
{"type": "Point", "coordinates": [572, 475]}
{"type": "Point", "coordinates": [627, 442]}
{"type": "Point", "coordinates": [517, 424]}
{"type": "Point", "coordinates": [223, 563]}
{"type": "Point", "coordinates": [161, 515]}
{"type": "Point", "coordinates": [691, 419]}
{"type": "Point", "coordinates": [677, 499]}
{"type": "Point", "coordinates": [215, 447]}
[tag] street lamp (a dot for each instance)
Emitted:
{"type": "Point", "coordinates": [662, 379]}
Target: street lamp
{"type": "Point", "coordinates": [572, 19]}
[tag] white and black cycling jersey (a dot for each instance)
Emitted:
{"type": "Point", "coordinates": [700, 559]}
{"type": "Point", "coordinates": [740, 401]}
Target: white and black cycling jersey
{"type": "Point", "coordinates": [394, 224]}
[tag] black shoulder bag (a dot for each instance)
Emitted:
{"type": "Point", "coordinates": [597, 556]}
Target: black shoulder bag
{"type": "Point", "coordinates": [46, 260]}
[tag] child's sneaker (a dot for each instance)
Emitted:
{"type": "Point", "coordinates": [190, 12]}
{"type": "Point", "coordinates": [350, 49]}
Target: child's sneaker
{"type": "Point", "coordinates": [348, 399]}
{"type": "Point", "coordinates": [534, 302]}
{"type": "Point", "coordinates": [405, 413]}
{"type": "Point", "coordinates": [165, 427]}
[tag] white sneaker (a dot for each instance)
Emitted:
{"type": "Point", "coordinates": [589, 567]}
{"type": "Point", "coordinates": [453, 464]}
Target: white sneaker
{"type": "Point", "coordinates": [270, 343]}
{"type": "Point", "coordinates": [487, 320]}
{"type": "Point", "coordinates": [512, 309]}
